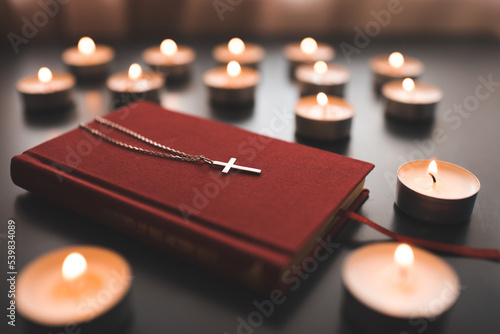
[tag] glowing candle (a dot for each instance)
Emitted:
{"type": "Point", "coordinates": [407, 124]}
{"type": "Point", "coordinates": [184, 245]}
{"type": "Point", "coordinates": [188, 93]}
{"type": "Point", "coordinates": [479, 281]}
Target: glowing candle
{"type": "Point", "coordinates": [411, 101]}
{"type": "Point", "coordinates": [231, 84]}
{"type": "Point", "coordinates": [46, 90]}
{"type": "Point", "coordinates": [74, 286]}
{"type": "Point", "coordinates": [391, 283]}
{"type": "Point", "coordinates": [171, 60]}
{"type": "Point", "coordinates": [246, 54]}
{"type": "Point", "coordinates": [436, 191]}
{"type": "Point", "coordinates": [323, 117]}
{"type": "Point", "coordinates": [135, 85]}
{"type": "Point", "coordinates": [88, 61]}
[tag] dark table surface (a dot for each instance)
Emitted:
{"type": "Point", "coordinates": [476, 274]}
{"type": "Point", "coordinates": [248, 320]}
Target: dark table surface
{"type": "Point", "coordinates": [170, 296]}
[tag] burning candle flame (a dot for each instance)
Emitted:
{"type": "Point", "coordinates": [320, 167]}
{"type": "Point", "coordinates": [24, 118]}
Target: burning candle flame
{"type": "Point", "coordinates": [433, 170]}
{"type": "Point", "coordinates": [44, 75]}
{"type": "Point", "coordinates": [233, 68]}
{"type": "Point", "coordinates": [86, 45]}
{"type": "Point", "coordinates": [134, 71]}
{"type": "Point", "coordinates": [320, 67]}
{"type": "Point", "coordinates": [74, 266]}
{"type": "Point", "coordinates": [168, 47]}
{"type": "Point", "coordinates": [408, 85]}
{"type": "Point", "coordinates": [404, 256]}
{"type": "Point", "coordinates": [308, 45]}
{"type": "Point", "coordinates": [396, 59]}
{"type": "Point", "coordinates": [322, 99]}
{"type": "Point", "coordinates": [236, 46]}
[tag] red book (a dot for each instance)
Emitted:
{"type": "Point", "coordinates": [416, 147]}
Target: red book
{"type": "Point", "coordinates": [249, 228]}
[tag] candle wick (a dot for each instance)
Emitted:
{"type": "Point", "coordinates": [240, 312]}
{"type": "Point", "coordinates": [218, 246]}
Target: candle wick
{"type": "Point", "coordinates": [433, 178]}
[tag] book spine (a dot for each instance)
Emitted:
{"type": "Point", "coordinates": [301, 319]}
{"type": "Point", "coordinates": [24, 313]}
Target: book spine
{"type": "Point", "coordinates": [142, 222]}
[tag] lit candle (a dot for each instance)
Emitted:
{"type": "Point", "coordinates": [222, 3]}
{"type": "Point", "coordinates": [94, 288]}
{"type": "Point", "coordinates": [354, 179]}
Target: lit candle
{"type": "Point", "coordinates": [246, 54]}
{"type": "Point", "coordinates": [87, 60]}
{"type": "Point", "coordinates": [172, 60]}
{"type": "Point", "coordinates": [82, 286]}
{"type": "Point", "coordinates": [322, 77]}
{"type": "Point", "coordinates": [135, 85]}
{"type": "Point", "coordinates": [323, 117]}
{"type": "Point", "coordinates": [231, 84]}
{"type": "Point", "coordinates": [394, 66]}
{"type": "Point", "coordinates": [46, 90]}
{"type": "Point", "coordinates": [390, 283]}
{"type": "Point", "coordinates": [411, 101]}
{"type": "Point", "coordinates": [307, 51]}
{"type": "Point", "coordinates": [436, 191]}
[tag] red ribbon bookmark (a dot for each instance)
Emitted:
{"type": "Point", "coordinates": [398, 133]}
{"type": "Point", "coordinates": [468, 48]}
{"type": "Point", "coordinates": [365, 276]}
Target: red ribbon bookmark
{"type": "Point", "coordinates": [480, 253]}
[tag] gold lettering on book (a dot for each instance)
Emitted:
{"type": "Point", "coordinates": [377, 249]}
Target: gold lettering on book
{"type": "Point", "coordinates": [188, 248]}
{"type": "Point", "coordinates": [155, 233]}
{"type": "Point", "coordinates": [142, 228]}
{"type": "Point", "coordinates": [126, 222]}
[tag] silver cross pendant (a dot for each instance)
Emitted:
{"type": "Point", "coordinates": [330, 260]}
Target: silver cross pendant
{"type": "Point", "coordinates": [228, 165]}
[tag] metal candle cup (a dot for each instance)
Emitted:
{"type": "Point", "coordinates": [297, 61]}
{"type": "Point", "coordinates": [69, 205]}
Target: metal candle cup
{"type": "Point", "coordinates": [53, 93]}
{"type": "Point", "coordinates": [229, 90]}
{"type": "Point", "coordinates": [386, 293]}
{"type": "Point", "coordinates": [331, 82]}
{"type": "Point", "coordinates": [127, 89]}
{"type": "Point", "coordinates": [93, 65]}
{"type": "Point", "coordinates": [449, 200]}
{"type": "Point", "coordinates": [328, 122]}
{"type": "Point", "coordinates": [415, 105]}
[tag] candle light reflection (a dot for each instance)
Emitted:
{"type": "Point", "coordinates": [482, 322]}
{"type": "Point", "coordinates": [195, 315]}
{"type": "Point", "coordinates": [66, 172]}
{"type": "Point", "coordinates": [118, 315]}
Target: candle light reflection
{"type": "Point", "coordinates": [74, 266]}
{"type": "Point", "coordinates": [233, 68]}
{"type": "Point", "coordinates": [168, 47]}
{"type": "Point", "coordinates": [396, 59]}
{"type": "Point", "coordinates": [134, 71]}
{"type": "Point", "coordinates": [308, 45]}
{"type": "Point", "coordinates": [44, 75]}
{"type": "Point", "coordinates": [320, 67]}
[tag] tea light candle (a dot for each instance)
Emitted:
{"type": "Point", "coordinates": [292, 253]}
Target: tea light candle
{"type": "Point", "coordinates": [135, 85]}
{"type": "Point", "coordinates": [231, 84]}
{"type": "Point", "coordinates": [246, 54]}
{"type": "Point", "coordinates": [388, 283]}
{"type": "Point", "coordinates": [80, 286]}
{"type": "Point", "coordinates": [172, 60]}
{"type": "Point", "coordinates": [411, 101]}
{"type": "Point", "coordinates": [323, 117]}
{"type": "Point", "coordinates": [46, 90]}
{"type": "Point", "coordinates": [307, 51]}
{"type": "Point", "coordinates": [322, 77]}
{"type": "Point", "coordinates": [436, 191]}
{"type": "Point", "coordinates": [88, 61]}
{"type": "Point", "coordinates": [395, 66]}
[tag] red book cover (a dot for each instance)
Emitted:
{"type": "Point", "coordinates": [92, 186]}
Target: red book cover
{"type": "Point", "coordinates": [249, 228]}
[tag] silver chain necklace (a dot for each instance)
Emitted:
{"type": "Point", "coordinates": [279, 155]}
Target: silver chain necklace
{"type": "Point", "coordinates": [171, 153]}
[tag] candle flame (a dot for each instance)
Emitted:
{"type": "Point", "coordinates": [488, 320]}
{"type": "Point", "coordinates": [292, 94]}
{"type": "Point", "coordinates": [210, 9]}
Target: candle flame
{"type": "Point", "coordinates": [233, 68]}
{"type": "Point", "coordinates": [86, 45]}
{"type": "Point", "coordinates": [308, 45]}
{"type": "Point", "coordinates": [408, 84]}
{"type": "Point", "coordinates": [134, 71]}
{"type": "Point", "coordinates": [74, 266]}
{"type": "Point", "coordinates": [320, 67]}
{"type": "Point", "coordinates": [433, 169]}
{"type": "Point", "coordinates": [322, 99]}
{"type": "Point", "coordinates": [236, 46]}
{"type": "Point", "coordinates": [396, 59]}
{"type": "Point", "coordinates": [44, 75]}
{"type": "Point", "coordinates": [168, 47]}
{"type": "Point", "coordinates": [404, 256]}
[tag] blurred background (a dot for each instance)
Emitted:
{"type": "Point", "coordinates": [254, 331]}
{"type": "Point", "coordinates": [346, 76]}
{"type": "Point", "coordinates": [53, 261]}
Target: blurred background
{"type": "Point", "coordinates": [123, 19]}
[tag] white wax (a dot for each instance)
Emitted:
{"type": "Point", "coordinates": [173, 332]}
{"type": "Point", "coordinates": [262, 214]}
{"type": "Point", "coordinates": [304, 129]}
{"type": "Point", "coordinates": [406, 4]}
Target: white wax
{"type": "Point", "coordinates": [294, 53]}
{"type": "Point", "coordinates": [452, 181]}
{"type": "Point", "coordinates": [101, 55]}
{"type": "Point", "coordinates": [154, 56]}
{"type": "Point", "coordinates": [333, 76]}
{"type": "Point", "coordinates": [411, 67]}
{"type": "Point", "coordinates": [46, 298]}
{"type": "Point", "coordinates": [120, 82]}
{"type": "Point", "coordinates": [371, 275]}
{"type": "Point", "coordinates": [252, 54]}
{"type": "Point", "coordinates": [337, 109]}
{"type": "Point", "coordinates": [218, 77]}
